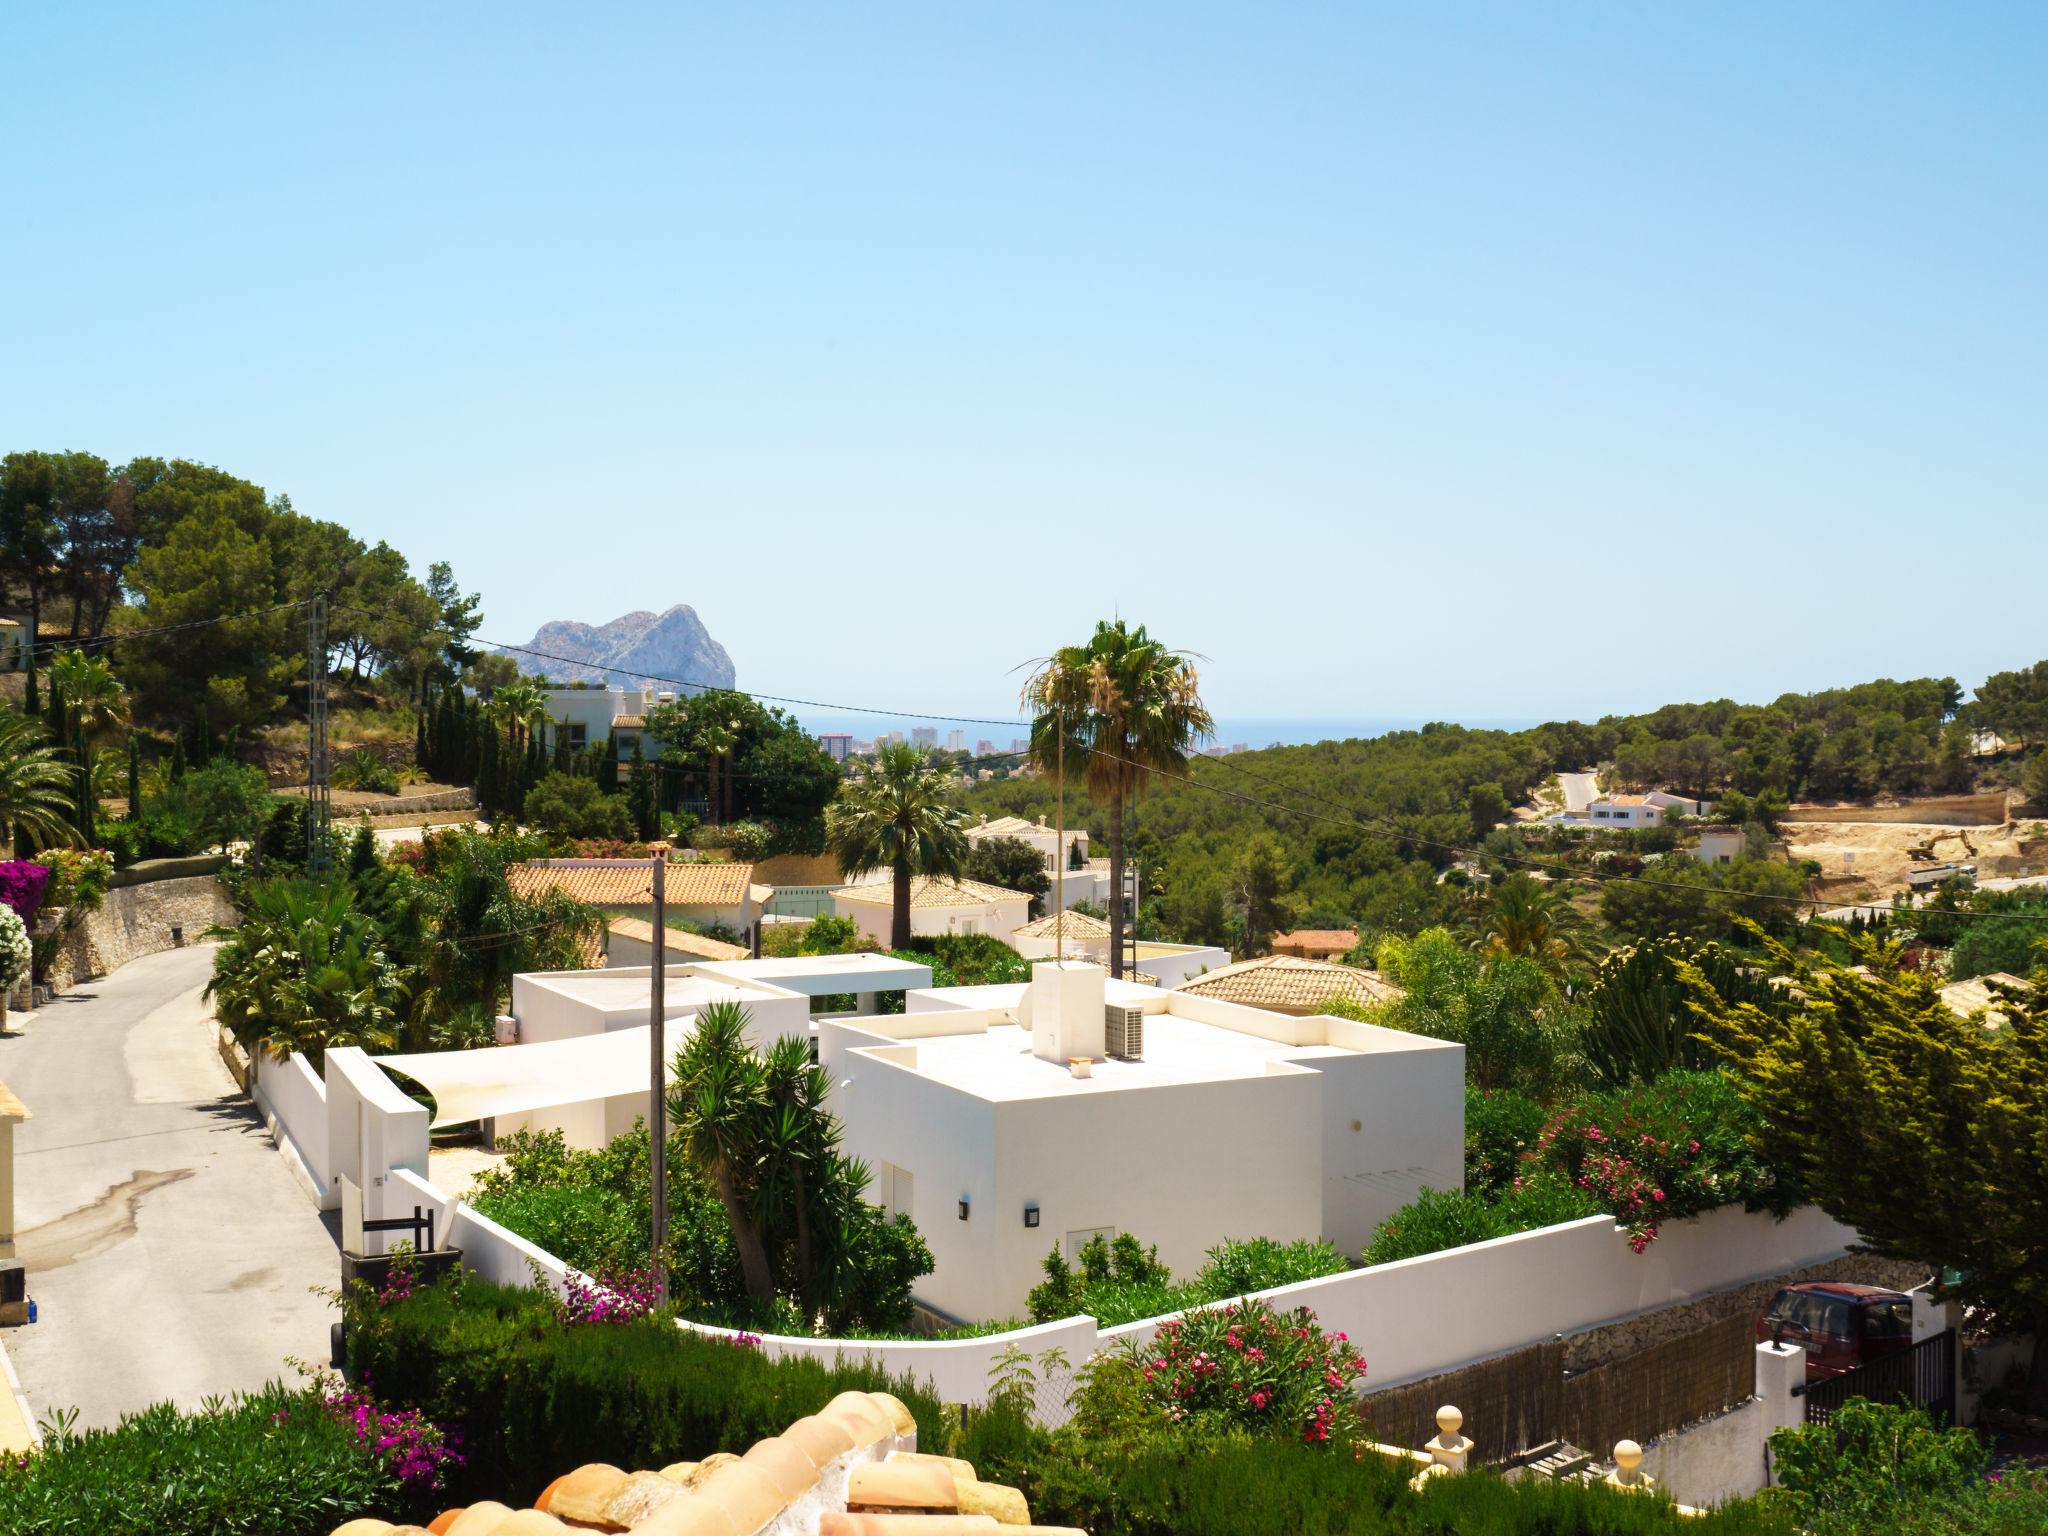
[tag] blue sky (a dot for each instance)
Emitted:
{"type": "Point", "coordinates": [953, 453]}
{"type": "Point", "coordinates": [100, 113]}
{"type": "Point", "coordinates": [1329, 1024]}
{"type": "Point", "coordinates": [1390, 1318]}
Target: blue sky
{"type": "Point", "coordinates": [1457, 361]}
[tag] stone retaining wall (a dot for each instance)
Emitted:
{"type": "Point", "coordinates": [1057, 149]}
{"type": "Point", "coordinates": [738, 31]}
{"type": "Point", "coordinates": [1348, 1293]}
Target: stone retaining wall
{"type": "Point", "coordinates": [137, 920]}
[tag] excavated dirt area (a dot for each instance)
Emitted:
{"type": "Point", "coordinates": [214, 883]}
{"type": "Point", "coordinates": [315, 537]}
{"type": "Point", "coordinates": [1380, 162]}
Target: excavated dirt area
{"type": "Point", "coordinates": [1882, 856]}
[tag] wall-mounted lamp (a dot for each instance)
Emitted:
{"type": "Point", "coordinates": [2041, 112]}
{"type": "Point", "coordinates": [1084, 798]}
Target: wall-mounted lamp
{"type": "Point", "coordinates": [1031, 1213]}
{"type": "Point", "coordinates": [963, 1207]}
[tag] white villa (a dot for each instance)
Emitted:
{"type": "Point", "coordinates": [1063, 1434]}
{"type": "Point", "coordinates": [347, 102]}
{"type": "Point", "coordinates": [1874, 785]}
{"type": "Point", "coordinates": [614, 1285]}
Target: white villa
{"type": "Point", "coordinates": [1072, 873]}
{"type": "Point", "coordinates": [1077, 936]}
{"type": "Point", "coordinates": [587, 716]}
{"type": "Point", "coordinates": [937, 906]}
{"type": "Point", "coordinates": [1005, 1120]}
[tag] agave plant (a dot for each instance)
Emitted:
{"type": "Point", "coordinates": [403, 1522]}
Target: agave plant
{"type": "Point", "coordinates": [1639, 1024]}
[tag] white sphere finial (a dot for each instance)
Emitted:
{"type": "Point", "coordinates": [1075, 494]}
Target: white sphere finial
{"type": "Point", "coordinates": [1450, 1421]}
{"type": "Point", "coordinates": [1627, 1455]}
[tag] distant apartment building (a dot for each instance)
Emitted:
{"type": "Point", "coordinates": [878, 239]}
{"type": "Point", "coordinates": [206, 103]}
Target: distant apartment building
{"type": "Point", "coordinates": [984, 748]}
{"type": "Point", "coordinates": [1019, 745]}
{"type": "Point", "coordinates": [956, 741]}
{"type": "Point", "coordinates": [836, 745]}
{"type": "Point", "coordinates": [924, 735]}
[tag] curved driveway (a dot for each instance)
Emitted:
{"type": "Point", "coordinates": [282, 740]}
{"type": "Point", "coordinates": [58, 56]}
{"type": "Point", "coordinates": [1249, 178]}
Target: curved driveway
{"type": "Point", "coordinates": [168, 1248]}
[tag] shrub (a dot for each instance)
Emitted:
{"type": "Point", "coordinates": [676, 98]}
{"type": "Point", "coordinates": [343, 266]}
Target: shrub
{"type": "Point", "coordinates": [23, 885]}
{"type": "Point", "coordinates": [1123, 1282]}
{"type": "Point", "coordinates": [1662, 1151]}
{"type": "Point", "coordinates": [269, 1463]}
{"type": "Point", "coordinates": [78, 878]}
{"type": "Point", "coordinates": [1240, 1366]}
{"type": "Point", "coordinates": [1440, 1219]}
{"type": "Point", "coordinates": [1888, 1468]}
{"type": "Point", "coordinates": [1500, 1127]}
{"type": "Point", "coordinates": [364, 770]}
{"type": "Point", "coordinates": [17, 954]}
{"type": "Point", "coordinates": [167, 833]}
{"type": "Point", "coordinates": [568, 805]}
{"type": "Point", "coordinates": [536, 1395]}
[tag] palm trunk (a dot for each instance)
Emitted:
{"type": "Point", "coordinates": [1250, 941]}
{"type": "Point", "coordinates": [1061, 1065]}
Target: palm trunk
{"type": "Point", "coordinates": [899, 908]}
{"type": "Point", "coordinates": [1116, 884]}
{"type": "Point", "coordinates": [746, 1238]}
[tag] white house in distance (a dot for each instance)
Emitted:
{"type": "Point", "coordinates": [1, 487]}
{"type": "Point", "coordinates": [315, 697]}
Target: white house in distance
{"type": "Point", "coordinates": [1721, 845]}
{"type": "Point", "coordinates": [1069, 871]}
{"type": "Point", "coordinates": [937, 906]}
{"type": "Point", "coordinates": [1623, 812]}
{"type": "Point", "coordinates": [1078, 936]}
{"type": "Point", "coordinates": [1215, 1121]}
{"type": "Point", "coordinates": [587, 716]}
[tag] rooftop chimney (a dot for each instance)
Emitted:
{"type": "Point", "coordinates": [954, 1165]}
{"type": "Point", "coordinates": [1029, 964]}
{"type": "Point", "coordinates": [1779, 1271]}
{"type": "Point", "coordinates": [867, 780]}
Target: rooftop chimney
{"type": "Point", "coordinates": [1066, 1010]}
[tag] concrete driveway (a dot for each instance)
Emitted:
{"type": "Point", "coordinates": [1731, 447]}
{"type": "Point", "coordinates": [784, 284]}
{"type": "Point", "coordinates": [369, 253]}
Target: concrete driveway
{"type": "Point", "coordinates": [1580, 790]}
{"type": "Point", "coordinates": [168, 1249]}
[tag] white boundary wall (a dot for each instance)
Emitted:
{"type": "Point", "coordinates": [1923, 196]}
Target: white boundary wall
{"type": "Point", "coordinates": [293, 1102]}
{"type": "Point", "coordinates": [1418, 1317]}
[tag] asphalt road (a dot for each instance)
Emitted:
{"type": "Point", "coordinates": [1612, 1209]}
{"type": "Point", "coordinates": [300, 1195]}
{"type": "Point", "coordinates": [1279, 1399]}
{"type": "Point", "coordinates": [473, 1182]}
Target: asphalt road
{"type": "Point", "coordinates": [169, 1250]}
{"type": "Point", "coordinates": [1580, 790]}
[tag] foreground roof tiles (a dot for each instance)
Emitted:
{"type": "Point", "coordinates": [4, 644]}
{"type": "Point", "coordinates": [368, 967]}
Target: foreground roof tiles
{"type": "Point", "coordinates": [1289, 985]}
{"type": "Point", "coordinates": [630, 882]}
{"type": "Point", "coordinates": [851, 1469]}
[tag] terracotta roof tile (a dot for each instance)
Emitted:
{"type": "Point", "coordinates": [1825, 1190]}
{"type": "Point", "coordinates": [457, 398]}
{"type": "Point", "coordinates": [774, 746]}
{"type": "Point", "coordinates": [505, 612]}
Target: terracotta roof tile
{"type": "Point", "coordinates": [1288, 985]}
{"type": "Point", "coordinates": [695, 945]}
{"type": "Point", "coordinates": [932, 891]}
{"type": "Point", "coordinates": [1337, 939]}
{"type": "Point", "coordinates": [630, 882]}
{"type": "Point", "coordinates": [1077, 925]}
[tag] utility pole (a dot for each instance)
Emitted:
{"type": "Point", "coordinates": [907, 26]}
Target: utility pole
{"type": "Point", "coordinates": [657, 1075]}
{"type": "Point", "coordinates": [1059, 863]}
{"type": "Point", "coordinates": [317, 808]}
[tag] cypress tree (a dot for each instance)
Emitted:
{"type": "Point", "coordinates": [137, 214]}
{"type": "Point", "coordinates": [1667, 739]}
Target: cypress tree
{"type": "Point", "coordinates": [54, 722]}
{"type": "Point", "coordinates": [29, 703]}
{"type": "Point", "coordinates": [420, 755]}
{"type": "Point", "coordinates": [608, 766]}
{"type": "Point", "coordinates": [487, 784]}
{"type": "Point", "coordinates": [177, 757]}
{"type": "Point", "coordinates": [88, 804]}
{"type": "Point", "coordinates": [362, 859]}
{"type": "Point", "coordinates": [646, 818]}
{"type": "Point", "coordinates": [134, 778]}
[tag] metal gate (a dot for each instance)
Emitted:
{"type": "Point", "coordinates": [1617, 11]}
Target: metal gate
{"type": "Point", "coordinates": [1923, 1376]}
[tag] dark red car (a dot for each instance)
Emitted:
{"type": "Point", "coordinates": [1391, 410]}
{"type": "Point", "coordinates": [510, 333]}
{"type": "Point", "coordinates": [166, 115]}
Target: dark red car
{"type": "Point", "coordinates": [1840, 1325]}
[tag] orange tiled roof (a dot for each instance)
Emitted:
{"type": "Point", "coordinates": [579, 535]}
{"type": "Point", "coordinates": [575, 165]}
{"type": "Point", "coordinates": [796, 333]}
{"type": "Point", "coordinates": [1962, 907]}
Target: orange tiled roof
{"type": "Point", "coordinates": [630, 882]}
{"type": "Point", "coordinates": [1078, 925]}
{"type": "Point", "coordinates": [695, 945]}
{"type": "Point", "coordinates": [932, 891]}
{"type": "Point", "coordinates": [1336, 939]}
{"type": "Point", "coordinates": [1287, 985]}
{"type": "Point", "coordinates": [851, 1469]}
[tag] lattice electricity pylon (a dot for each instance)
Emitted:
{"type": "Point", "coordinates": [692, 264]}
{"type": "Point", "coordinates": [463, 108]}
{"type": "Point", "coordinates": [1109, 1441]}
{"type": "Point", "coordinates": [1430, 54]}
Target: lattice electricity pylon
{"type": "Point", "coordinates": [317, 809]}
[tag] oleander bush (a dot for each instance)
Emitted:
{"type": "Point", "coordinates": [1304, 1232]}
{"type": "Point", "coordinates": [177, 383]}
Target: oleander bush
{"type": "Point", "coordinates": [279, 1462]}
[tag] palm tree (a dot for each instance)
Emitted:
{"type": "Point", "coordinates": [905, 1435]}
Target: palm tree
{"type": "Point", "coordinates": [37, 787]}
{"type": "Point", "coordinates": [93, 695]}
{"type": "Point", "coordinates": [1124, 707]}
{"type": "Point", "coordinates": [717, 738]}
{"type": "Point", "coordinates": [896, 813]}
{"type": "Point", "coordinates": [522, 709]}
{"type": "Point", "coordinates": [1525, 916]}
{"type": "Point", "coordinates": [716, 1102]}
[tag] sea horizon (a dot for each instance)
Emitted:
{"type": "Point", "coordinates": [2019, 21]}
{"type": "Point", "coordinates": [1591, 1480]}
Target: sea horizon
{"type": "Point", "coordinates": [1252, 732]}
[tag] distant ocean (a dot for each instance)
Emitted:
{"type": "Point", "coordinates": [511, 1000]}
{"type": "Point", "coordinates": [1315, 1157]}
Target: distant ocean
{"type": "Point", "coordinates": [1249, 731]}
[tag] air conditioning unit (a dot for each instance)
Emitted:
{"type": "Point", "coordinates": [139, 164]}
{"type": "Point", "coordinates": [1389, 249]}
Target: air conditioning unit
{"type": "Point", "coordinates": [1124, 1032]}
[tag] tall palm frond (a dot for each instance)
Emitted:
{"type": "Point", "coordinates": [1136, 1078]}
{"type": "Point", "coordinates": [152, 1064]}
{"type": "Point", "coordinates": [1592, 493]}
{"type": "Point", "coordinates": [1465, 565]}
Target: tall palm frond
{"type": "Point", "coordinates": [38, 787]}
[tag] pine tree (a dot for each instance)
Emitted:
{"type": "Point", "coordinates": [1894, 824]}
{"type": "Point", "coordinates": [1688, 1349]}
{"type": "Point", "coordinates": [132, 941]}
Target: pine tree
{"type": "Point", "coordinates": [134, 779]}
{"type": "Point", "coordinates": [362, 859]}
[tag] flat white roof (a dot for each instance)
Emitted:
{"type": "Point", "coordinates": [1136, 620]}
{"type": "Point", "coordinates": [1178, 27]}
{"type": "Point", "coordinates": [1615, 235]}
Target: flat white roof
{"type": "Point", "coordinates": [823, 975]}
{"type": "Point", "coordinates": [997, 1063]}
{"type": "Point", "coordinates": [632, 988]}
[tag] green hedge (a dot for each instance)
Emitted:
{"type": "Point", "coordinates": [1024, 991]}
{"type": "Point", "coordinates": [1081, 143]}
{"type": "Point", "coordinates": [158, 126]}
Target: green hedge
{"type": "Point", "coordinates": [536, 1397]}
{"type": "Point", "coordinates": [272, 1463]}
{"type": "Point", "coordinates": [1202, 1485]}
